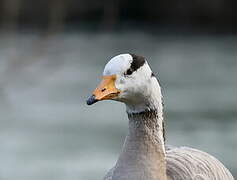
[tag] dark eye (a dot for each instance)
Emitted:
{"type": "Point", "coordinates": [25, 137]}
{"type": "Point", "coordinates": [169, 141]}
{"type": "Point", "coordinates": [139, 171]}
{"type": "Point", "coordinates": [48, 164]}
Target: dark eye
{"type": "Point", "coordinates": [128, 72]}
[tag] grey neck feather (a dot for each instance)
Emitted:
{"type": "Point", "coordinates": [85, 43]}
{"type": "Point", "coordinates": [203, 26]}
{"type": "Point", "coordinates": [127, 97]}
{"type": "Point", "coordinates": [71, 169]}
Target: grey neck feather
{"type": "Point", "coordinates": [143, 155]}
{"type": "Point", "coordinates": [151, 119]}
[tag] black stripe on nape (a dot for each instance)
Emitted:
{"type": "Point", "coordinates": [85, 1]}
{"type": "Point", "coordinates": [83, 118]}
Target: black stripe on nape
{"type": "Point", "coordinates": [137, 62]}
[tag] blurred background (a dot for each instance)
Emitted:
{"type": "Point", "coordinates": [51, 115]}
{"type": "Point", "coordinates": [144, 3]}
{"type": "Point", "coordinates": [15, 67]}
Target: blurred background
{"type": "Point", "coordinates": [52, 54]}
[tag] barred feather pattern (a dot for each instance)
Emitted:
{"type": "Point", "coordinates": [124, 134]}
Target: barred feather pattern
{"type": "Point", "coordinates": [184, 163]}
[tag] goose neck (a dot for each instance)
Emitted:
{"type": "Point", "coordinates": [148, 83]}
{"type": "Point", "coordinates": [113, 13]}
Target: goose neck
{"type": "Point", "coordinates": [143, 152]}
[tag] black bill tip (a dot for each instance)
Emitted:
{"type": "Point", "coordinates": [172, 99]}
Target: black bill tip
{"type": "Point", "coordinates": [91, 100]}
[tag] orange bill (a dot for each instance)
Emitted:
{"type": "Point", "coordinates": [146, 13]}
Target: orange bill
{"type": "Point", "coordinates": [106, 90]}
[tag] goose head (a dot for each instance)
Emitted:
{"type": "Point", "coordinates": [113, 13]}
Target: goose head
{"type": "Point", "coordinates": [129, 79]}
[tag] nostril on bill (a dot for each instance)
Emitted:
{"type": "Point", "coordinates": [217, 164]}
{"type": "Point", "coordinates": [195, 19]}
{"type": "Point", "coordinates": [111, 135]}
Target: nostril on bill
{"type": "Point", "coordinates": [102, 90]}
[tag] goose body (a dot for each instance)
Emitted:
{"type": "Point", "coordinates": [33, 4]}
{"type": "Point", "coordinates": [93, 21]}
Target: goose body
{"type": "Point", "coordinates": [128, 78]}
{"type": "Point", "coordinates": [184, 163]}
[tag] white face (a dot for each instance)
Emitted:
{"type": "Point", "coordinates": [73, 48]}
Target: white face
{"type": "Point", "coordinates": [128, 78]}
{"type": "Point", "coordinates": [133, 78]}
{"type": "Point", "coordinates": [118, 64]}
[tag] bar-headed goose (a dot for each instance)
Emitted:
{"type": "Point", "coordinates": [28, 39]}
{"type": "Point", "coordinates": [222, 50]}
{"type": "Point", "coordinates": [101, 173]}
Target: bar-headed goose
{"type": "Point", "coordinates": [128, 78]}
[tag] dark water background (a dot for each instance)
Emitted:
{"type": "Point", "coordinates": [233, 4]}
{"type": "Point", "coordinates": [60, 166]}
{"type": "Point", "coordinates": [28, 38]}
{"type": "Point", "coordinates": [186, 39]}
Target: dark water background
{"type": "Point", "coordinates": [47, 131]}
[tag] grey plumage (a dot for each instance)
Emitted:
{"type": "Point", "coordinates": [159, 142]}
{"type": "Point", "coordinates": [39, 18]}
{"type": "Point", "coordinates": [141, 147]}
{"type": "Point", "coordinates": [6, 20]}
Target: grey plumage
{"type": "Point", "coordinates": [144, 155]}
{"type": "Point", "coordinates": [184, 163]}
